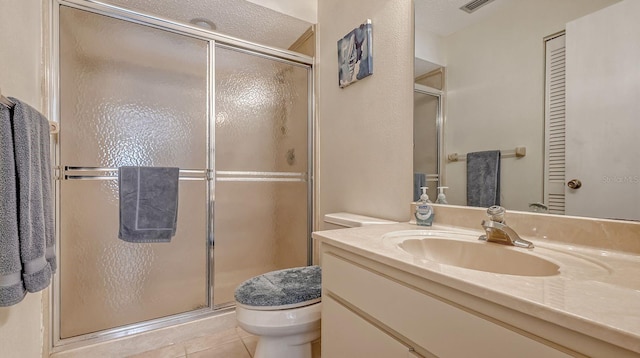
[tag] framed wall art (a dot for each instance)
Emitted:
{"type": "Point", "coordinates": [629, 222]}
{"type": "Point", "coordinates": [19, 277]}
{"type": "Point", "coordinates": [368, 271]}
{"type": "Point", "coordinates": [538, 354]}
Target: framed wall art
{"type": "Point", "coordinates": [355, 59]}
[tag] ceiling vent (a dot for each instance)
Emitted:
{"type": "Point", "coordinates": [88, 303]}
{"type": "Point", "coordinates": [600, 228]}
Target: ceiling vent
{"type": "Point", "coordinates": [474, 5]}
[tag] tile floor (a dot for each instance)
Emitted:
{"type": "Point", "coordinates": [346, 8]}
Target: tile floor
{"type": "Point", "coordinates": [232, 343]}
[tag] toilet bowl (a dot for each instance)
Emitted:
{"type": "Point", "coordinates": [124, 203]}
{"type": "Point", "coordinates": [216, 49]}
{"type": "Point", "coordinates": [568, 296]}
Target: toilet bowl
{"type": "Point", "coordinates": [282, 333]}
{"type": "Point", "coordinates": [283, 307]}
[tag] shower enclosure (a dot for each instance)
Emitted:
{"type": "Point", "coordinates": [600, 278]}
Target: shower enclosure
{"type": "Point", "coordinates": [427, 140]}
{"type": "Point", "coordinates": [134, 90]}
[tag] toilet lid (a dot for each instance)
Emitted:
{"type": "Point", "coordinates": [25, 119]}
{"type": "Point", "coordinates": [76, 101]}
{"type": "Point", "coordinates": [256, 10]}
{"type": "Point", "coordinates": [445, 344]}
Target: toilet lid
{"type": "Point", "coordinates": [288, 288]}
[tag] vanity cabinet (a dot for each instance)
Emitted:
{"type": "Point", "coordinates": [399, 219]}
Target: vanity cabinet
{"type": "Point", "coordinates": [352, 336]}
{"type": "Point", "coordinates": [373, 310]}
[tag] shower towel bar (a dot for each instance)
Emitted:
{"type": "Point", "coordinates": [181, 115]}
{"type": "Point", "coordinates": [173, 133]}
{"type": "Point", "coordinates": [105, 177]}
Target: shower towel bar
{"type": "Point", "coordinates": [91, 173]}
{"type": "Point", "coordinates": [102, 173]}
{"type": "Point", "coordinates": [251, 176]}
{"type": "Point", "coordinates": [103, 169]}
{"type": "Point", "coordinates": [519, 152]}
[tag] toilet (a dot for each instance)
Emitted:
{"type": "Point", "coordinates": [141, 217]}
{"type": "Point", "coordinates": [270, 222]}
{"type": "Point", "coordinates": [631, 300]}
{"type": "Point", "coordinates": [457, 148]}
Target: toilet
{"type": "Point", "coordinates": [283, 307]}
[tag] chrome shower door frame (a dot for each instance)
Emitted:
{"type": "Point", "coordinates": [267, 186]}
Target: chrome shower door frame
{"type": "Point", "coordinates": [439, 95]}
{"type": "Point", "coordinates": [213, 39]}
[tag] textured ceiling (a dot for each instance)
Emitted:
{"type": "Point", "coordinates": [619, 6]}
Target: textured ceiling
{"type": "Point", "coordinates": [237, 18]}
{"type": "Point", "coordinates": [249, 21]}
{"type": "Point", "coordinates": [444, 17]}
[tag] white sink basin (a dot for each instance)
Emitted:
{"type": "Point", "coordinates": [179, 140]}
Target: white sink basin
{"type": "Point", "coordinates": [464, 250]}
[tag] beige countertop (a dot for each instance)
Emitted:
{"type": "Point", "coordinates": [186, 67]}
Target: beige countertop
{"type": "Point", "coordinates": [596, 293]}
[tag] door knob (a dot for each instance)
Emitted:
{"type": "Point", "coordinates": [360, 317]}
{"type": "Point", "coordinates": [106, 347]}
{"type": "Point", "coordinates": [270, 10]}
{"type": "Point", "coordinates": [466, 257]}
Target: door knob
{"type": "Point", "coordinates": [574, 184]}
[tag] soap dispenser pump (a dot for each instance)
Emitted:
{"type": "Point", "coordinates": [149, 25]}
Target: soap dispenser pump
{"type": "Point", "coordinates": [424, 211]}
{"type": "Point", "coordinates": [441, 199]}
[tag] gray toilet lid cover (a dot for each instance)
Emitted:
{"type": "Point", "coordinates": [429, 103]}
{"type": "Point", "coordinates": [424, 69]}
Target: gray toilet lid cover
{"type": "Point", "coordinates": [282, 287]}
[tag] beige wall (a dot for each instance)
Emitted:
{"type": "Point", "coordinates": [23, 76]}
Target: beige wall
{"type": "Point", "coordinates": [302, 9]}
{"type": "Point", "coordinates": [306, 43]}
{"type": "Point", "coordinates": [495, 93]}
{"type": "Point", "coordinates": [365, 130]}
{"type": "Point", "coordinates": [429, 46]}
{"type": "Point", "coordinates": [21, 325]}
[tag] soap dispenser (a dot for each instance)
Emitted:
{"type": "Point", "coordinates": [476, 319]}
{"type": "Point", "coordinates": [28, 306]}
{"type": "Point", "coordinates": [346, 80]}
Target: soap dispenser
{"type": "Point", "coordinates": [441, 199]}
{"type": "Point", "coordinates": [424, 211]}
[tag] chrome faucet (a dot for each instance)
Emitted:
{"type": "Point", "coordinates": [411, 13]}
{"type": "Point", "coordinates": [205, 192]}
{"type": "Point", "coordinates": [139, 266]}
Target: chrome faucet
{"type": "Point", "coordinates": [497, 230]}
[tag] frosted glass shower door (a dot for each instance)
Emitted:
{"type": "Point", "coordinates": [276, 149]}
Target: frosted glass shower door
{"type": "Point", "coordinates": [262, 168]}
{"type": "Point", "coordinates": [426, 117]}
{"type": "Point", "coordinates": [129, 95]}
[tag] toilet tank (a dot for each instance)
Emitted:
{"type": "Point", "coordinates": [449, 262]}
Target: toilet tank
{"type": "Point", "coordinates": [346, 220]}
{"type": "Point", "coordinates": [342, 221]}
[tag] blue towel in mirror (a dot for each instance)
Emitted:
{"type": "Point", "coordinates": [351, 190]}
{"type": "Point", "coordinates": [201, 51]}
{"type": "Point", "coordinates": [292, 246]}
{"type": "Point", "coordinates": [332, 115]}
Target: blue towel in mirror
{"type": "Point", "coordinates": [148, 203]}
{"type": "Point", "coordinates": [483, 178]}
{"type": "Point", "coordinates": [419, 180]}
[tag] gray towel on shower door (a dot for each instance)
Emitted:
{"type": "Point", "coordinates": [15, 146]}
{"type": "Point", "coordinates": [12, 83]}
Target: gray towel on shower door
{"type": "Point", "coordinates": [483, 178]}
{"type": "Point", "coordinates": [33, 210]}
{"type": "Point", "coordinates": [11, 288]}
{"type": "Point", "coordinates": [148, 203]}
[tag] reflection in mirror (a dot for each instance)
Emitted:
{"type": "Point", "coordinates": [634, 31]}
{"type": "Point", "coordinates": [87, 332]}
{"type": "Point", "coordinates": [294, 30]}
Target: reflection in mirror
{"type": "Point", "coordinates": [426, 137]}
{"type": "Point", "coordinates": [427, 127]}
{"type": "Point", "coordinates": [495, 94]}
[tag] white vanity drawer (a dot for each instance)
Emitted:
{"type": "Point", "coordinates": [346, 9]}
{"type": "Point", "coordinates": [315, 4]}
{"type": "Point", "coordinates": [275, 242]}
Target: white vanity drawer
{"type": "Point", "coordinates": [436, 326]}
{"type": "Point", "coordinates": [345, 335]}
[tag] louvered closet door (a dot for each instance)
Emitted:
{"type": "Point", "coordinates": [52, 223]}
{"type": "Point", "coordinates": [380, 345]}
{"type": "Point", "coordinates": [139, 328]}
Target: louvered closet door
{"type": "Point", "coordinates": [554, 171]}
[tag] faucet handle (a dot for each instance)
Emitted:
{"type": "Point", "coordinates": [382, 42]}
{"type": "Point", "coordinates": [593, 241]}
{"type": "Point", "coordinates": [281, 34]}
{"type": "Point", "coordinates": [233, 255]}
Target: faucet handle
{"type": "Point", "coordinates": [496, 213]}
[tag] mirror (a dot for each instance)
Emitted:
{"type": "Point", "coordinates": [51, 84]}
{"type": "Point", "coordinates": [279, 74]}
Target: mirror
{"type": "Point", "coordinates": [494, 91]}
